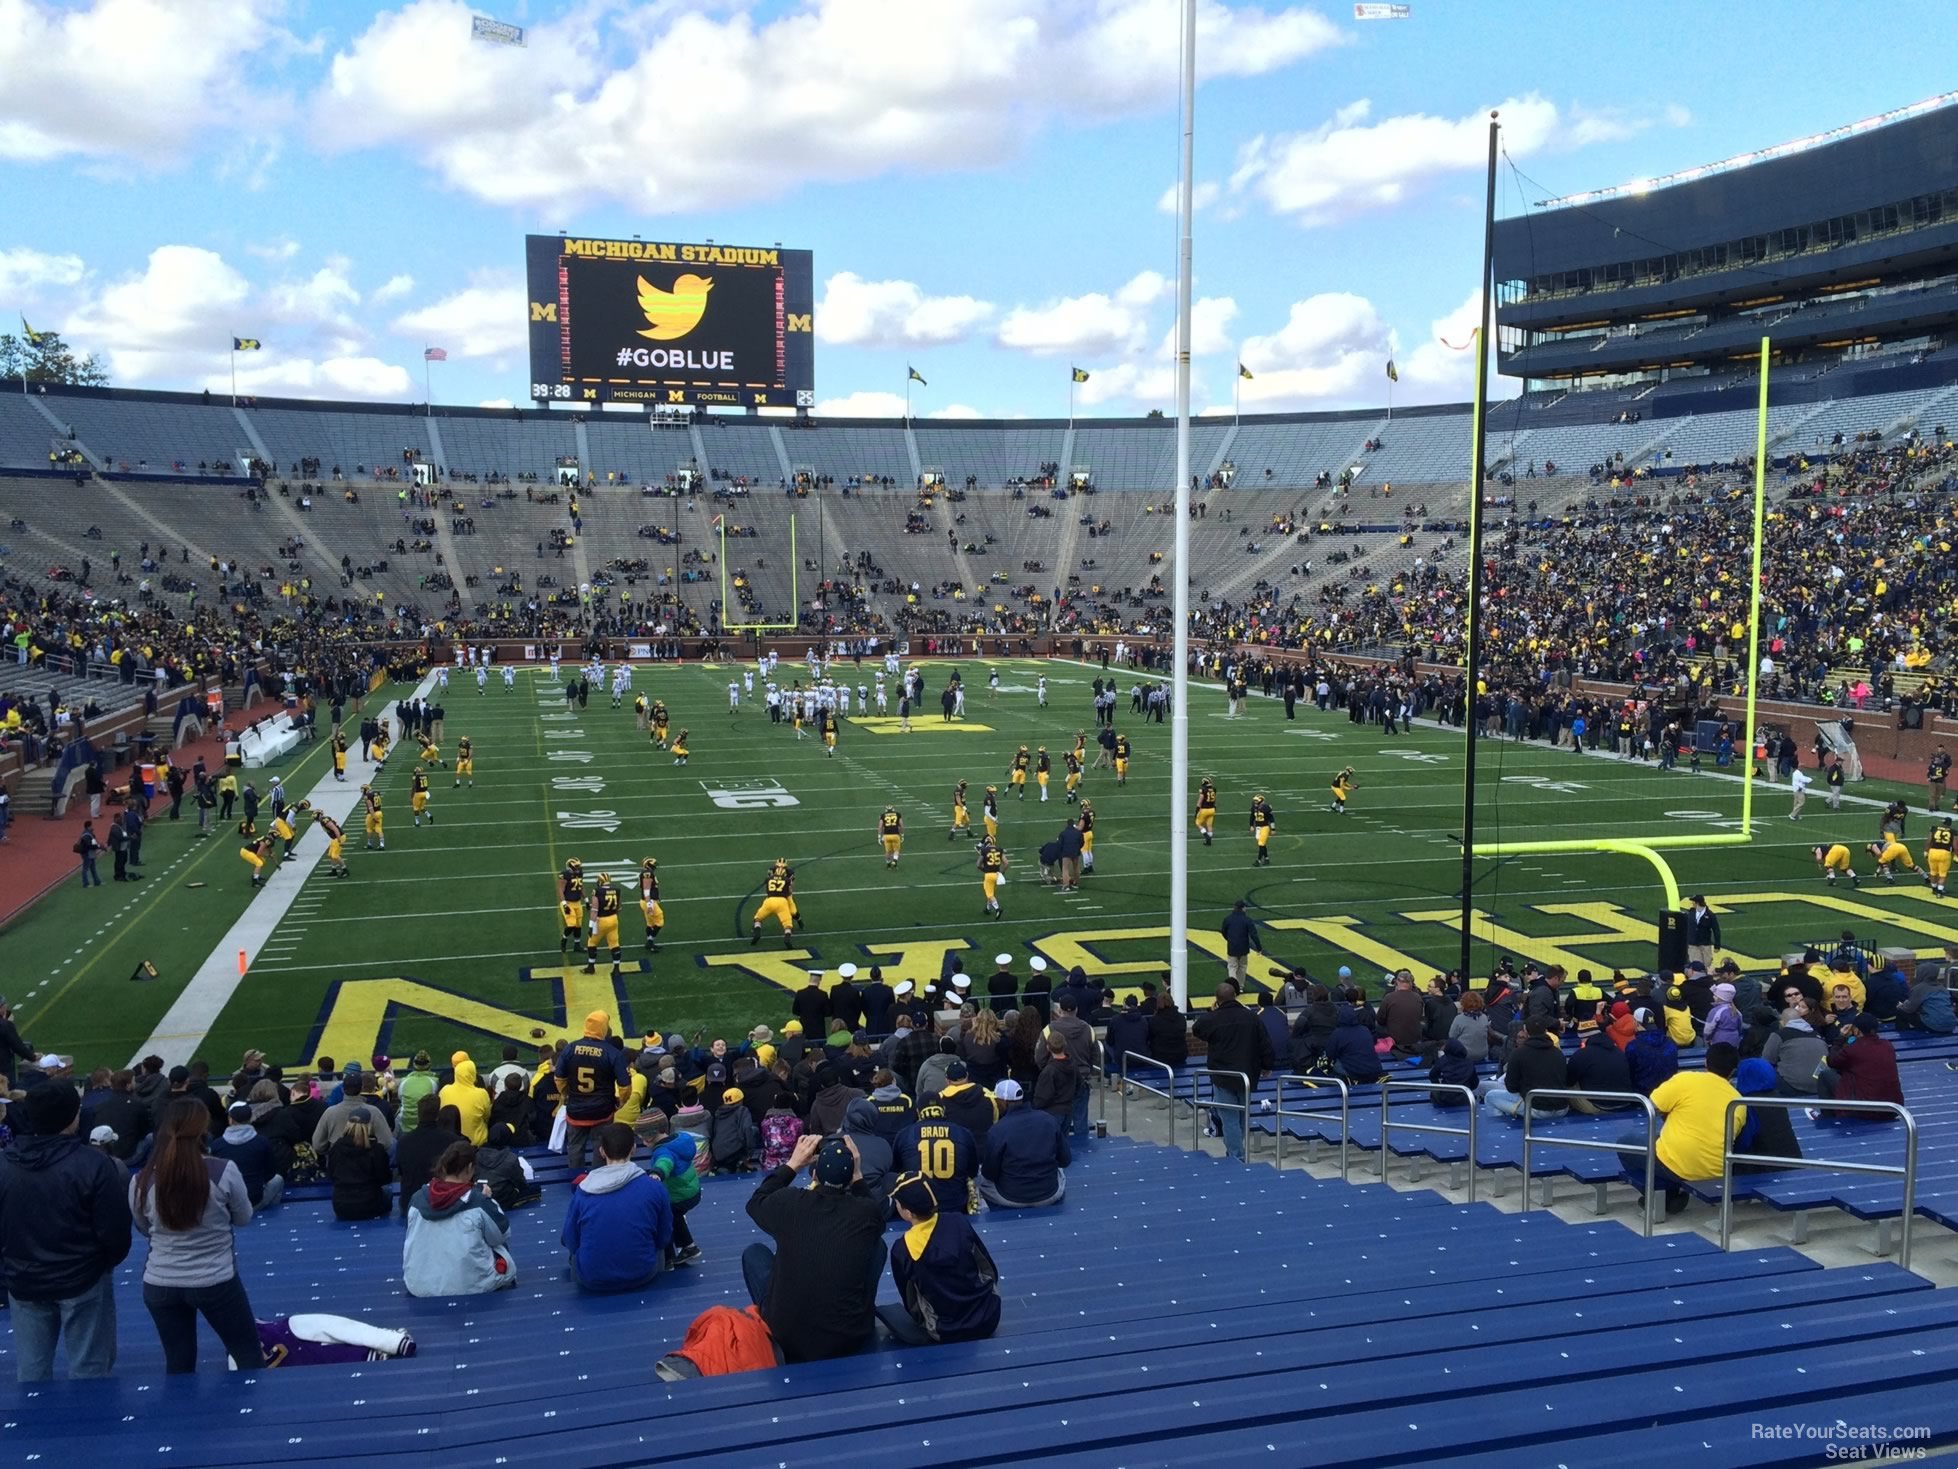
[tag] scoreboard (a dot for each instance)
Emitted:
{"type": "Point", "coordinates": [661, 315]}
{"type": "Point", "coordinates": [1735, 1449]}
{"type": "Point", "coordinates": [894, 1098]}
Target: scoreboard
{"type": "Point", "coordinates": [651, 321]}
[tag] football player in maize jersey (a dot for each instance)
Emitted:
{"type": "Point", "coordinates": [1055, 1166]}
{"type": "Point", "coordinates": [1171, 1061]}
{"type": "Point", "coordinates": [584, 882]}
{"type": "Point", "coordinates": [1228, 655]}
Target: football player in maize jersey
{"type": "Point", "coordinates": [1206, 809]}
{"type": "Point", "coordinates": [660, 720]}
{"type": "Point", "coordinates": [1087, 837]}
{"type": "Point", "coordinates": [1071, 759]}
{"type": "Point", "coordinates": [335, 839]}
{"type": "Point", "coordinates": [1934, 777]}
{"type": "Point", "coordinates": [1121, 760]}
{"type": "Point", "coordinates": [1888, 853]}
{"type": "Point", "coordinates": [1343, 785]}
{"type": "Point", "coordinates": [890, 828]}
{"type": "Point", "coordinates": [1043, 767]}
{"type": "Point", "coordinates": [418, 796]}
{"type": "Point", "coordinates": [1833, 860]}
{"type": "Point", "coordinates": [370, 800]}
{"type": "Point", "coordinates": [989, 811]}
{"type": "Point", "coordinates": [679, 748]}
{"type": "Point", "coordinates": [431, 753]}
{"type": "Point", "coordinates": [1017, 775]}
{"type": "Point", "coordinates": [992, 871]}
{"type": "Point", "coordinates": [1891, 822]}
{"type": "Point", "coordinates": [571, 905]}
{"type": "Point", "coordinates": [649, 904]}
{"type": "Point", "coordinates": [604, 932]}
{"type": "Point", "coordinates": [778, 901]}
{"type": "Point", "coordinates": [339, 757]}
{"type": "Point", "coordinates": [828, 727]}
{"type": "Point", "coordinates": [1263, 824]}
{"type": "Point", "coordinates": [961, 822]}
{"type": "Point", "coordinates": [1937, 856]}
{"type": "Point", "coordinates": [465, 761]}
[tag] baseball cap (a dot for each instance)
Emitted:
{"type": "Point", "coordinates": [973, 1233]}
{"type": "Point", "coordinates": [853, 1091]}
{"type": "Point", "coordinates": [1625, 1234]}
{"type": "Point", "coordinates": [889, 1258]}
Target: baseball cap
{"type": "Point", "coordinates": [102, 1134]}
{"type": "Point", "coordinates": [956, 1071]}
{"type": "Point", "coordinates": [1008, 1091]}
{"type": "Point", "coordinates": [179, 1074]}
{"type": "Point", "coordinates": [1344, 972]}
{"type": "Point", "coordinates": [835, 1164]}
{"type": "Point", "coordinates": [239, 1111]}
{"type": "Point", "coordinates": [422, 1058]}
{"type": "Point", "coordinates": [914, 1193]}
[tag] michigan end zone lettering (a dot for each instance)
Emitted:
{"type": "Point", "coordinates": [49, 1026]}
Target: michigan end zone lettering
{"type": "Point", "coordinates": [648, 320]}
{"type": "Point", "coordinates": [360, 1015]}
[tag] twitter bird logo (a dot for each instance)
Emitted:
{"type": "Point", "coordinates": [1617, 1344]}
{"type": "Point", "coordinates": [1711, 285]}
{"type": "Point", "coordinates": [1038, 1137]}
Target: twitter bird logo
{"type": "Point", "coordinates": [670, 315]}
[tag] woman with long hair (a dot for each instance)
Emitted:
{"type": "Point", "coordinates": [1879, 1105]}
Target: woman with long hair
{"type": "Point", "coordinates": [358, 1165]}
{"type": "Point", "coordinates": [982, 1045]}
{"type": "Point", "coordinates": [187, 1204]}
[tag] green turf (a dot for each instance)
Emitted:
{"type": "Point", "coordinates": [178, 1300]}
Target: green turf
{"type": "Point", "coordinates": [450, 935]}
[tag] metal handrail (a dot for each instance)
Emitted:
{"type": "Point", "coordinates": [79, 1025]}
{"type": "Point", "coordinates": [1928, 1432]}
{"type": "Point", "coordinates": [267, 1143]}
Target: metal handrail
{"type": "Point", "coordinates": [1244, 1107]}
{"type": "Point", "coordinates": [1169, 1096]}
{"type": "Point", "coordinates": [1345, 1114]}
{"type": "Point", "coordinates": [1623, 1149]}
{"type": "Point", "coordinates": [1908, 1172]}
{"type": "Point", "coordinates": [1387, 1123]}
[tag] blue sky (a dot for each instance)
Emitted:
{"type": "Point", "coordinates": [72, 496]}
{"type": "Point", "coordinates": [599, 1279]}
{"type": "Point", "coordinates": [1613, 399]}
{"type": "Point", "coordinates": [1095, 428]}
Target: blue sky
{"type": "Point", "coordinates": [982, 181]}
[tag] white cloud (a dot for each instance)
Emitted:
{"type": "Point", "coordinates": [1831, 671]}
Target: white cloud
{"type": "Point", "coordinates": [679, 110]}
{"type": "Point", "coordinates": [171, 324]}
{"type": "Point", "coordinates": [1331, 351]}
{"type": "Point", "coordinates": [336, 377]}
{"type": "Point", "coordinates": [955, 410]}
{"type": "Point", "coordinates": [486, 319]}
{"type": "Point", "coordinates": [1210, 323]}
{"type": "Point", "coordinates": [131, 79]}
{"type": "Point", "coordinates": [283, 248]}
{"type": "Point", "coordinates": [858, 313]}
{"type": "Point", "coordinates": [395, 287]}
{"type": "Point", "coordinates": [862, 404]}
{"type": "Point", "coordinates": [24, 270]}
{"type": "Point", "coordinates": [1149, 385]}
{"type": "Point", "coordinates": [1350, 163]}
{"type": "Point", "coordinates": [1435, 372]}
{"type": "Point", "coordinates": [496, 403]}
{"type": "Point", "coordinates": [1201, 197]}
{"type": "Point", "coordinates": [1092, 325]}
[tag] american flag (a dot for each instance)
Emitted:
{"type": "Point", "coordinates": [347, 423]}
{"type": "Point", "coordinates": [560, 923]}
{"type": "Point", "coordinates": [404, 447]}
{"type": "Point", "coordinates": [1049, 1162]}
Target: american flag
{"type": "Point", "coordinates": [435, 354]}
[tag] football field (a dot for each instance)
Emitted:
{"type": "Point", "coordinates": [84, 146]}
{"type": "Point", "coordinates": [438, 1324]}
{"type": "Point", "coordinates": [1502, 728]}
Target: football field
{"type": "Point", "coordinates": [450, 936]}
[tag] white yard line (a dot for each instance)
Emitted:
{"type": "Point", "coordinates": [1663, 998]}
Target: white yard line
{"type": "Point", "coordinates": [181, 1031]}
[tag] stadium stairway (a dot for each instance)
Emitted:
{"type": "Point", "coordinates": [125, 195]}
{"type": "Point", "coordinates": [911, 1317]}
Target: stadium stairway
{"type": "Point", "coordinates": [1311, 1115]}
{"type": "Point", "coordinates": [1177, 1309]}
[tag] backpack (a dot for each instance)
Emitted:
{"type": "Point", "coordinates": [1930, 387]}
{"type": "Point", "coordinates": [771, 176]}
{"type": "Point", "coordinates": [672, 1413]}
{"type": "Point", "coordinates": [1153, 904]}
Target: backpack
{"type": "Point", "coordinates": [305, 1166]}
{"type": "Point", "coordinates": [781, 1130]}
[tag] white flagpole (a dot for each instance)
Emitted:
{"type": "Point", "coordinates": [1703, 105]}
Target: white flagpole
{"type": "Point", "coordinates": [428, 392]}
{"type": "Point", "coordinates": [234, 372]}
{"type": "Point", "coordinates": [1179, 738]}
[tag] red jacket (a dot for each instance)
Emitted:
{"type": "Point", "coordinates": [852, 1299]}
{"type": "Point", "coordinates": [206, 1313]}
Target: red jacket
{"type": "Point", "coordinates": [1867, 1072]}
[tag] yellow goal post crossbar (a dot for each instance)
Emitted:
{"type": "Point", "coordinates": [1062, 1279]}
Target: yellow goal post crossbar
{"type": "Point", "coordinates": [1649, 848]}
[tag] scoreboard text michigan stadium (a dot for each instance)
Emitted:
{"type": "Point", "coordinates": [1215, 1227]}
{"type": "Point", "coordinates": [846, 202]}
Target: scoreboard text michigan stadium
{"type": "Point", "coordinates": [650, 321]}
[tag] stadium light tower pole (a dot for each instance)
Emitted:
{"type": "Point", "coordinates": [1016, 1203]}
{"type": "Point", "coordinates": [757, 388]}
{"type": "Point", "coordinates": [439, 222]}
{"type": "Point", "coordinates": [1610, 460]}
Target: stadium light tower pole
{"type": "Point", "coordinates": [1179, 708]}
{"type": "Point", "coordinates": [1472, 647]}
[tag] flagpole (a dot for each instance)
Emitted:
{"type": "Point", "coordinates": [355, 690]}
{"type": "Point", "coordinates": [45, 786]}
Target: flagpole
{"type": "Point", "coordinates": [428, 392]}
{"type": "Point", "coordinates": [234, 372]}
{"type": "Point", "coordinates": [1070, 397]}
{"type": "Point", "coordinates": [907, 397]}
{"type": "Point", "coordinates": [1179, 738]}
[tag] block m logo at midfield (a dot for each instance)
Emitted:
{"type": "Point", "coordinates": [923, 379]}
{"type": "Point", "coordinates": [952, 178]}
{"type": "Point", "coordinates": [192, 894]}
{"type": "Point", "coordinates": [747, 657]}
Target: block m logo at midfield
{"type": "Point", "coordinates": [359, 1015]}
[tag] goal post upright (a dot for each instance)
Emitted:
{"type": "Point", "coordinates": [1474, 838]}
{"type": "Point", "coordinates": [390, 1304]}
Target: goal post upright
{"type": "Point", "coordinates": [1650, 849]}
{"type": "Point", "coordinates": [795, 589]}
